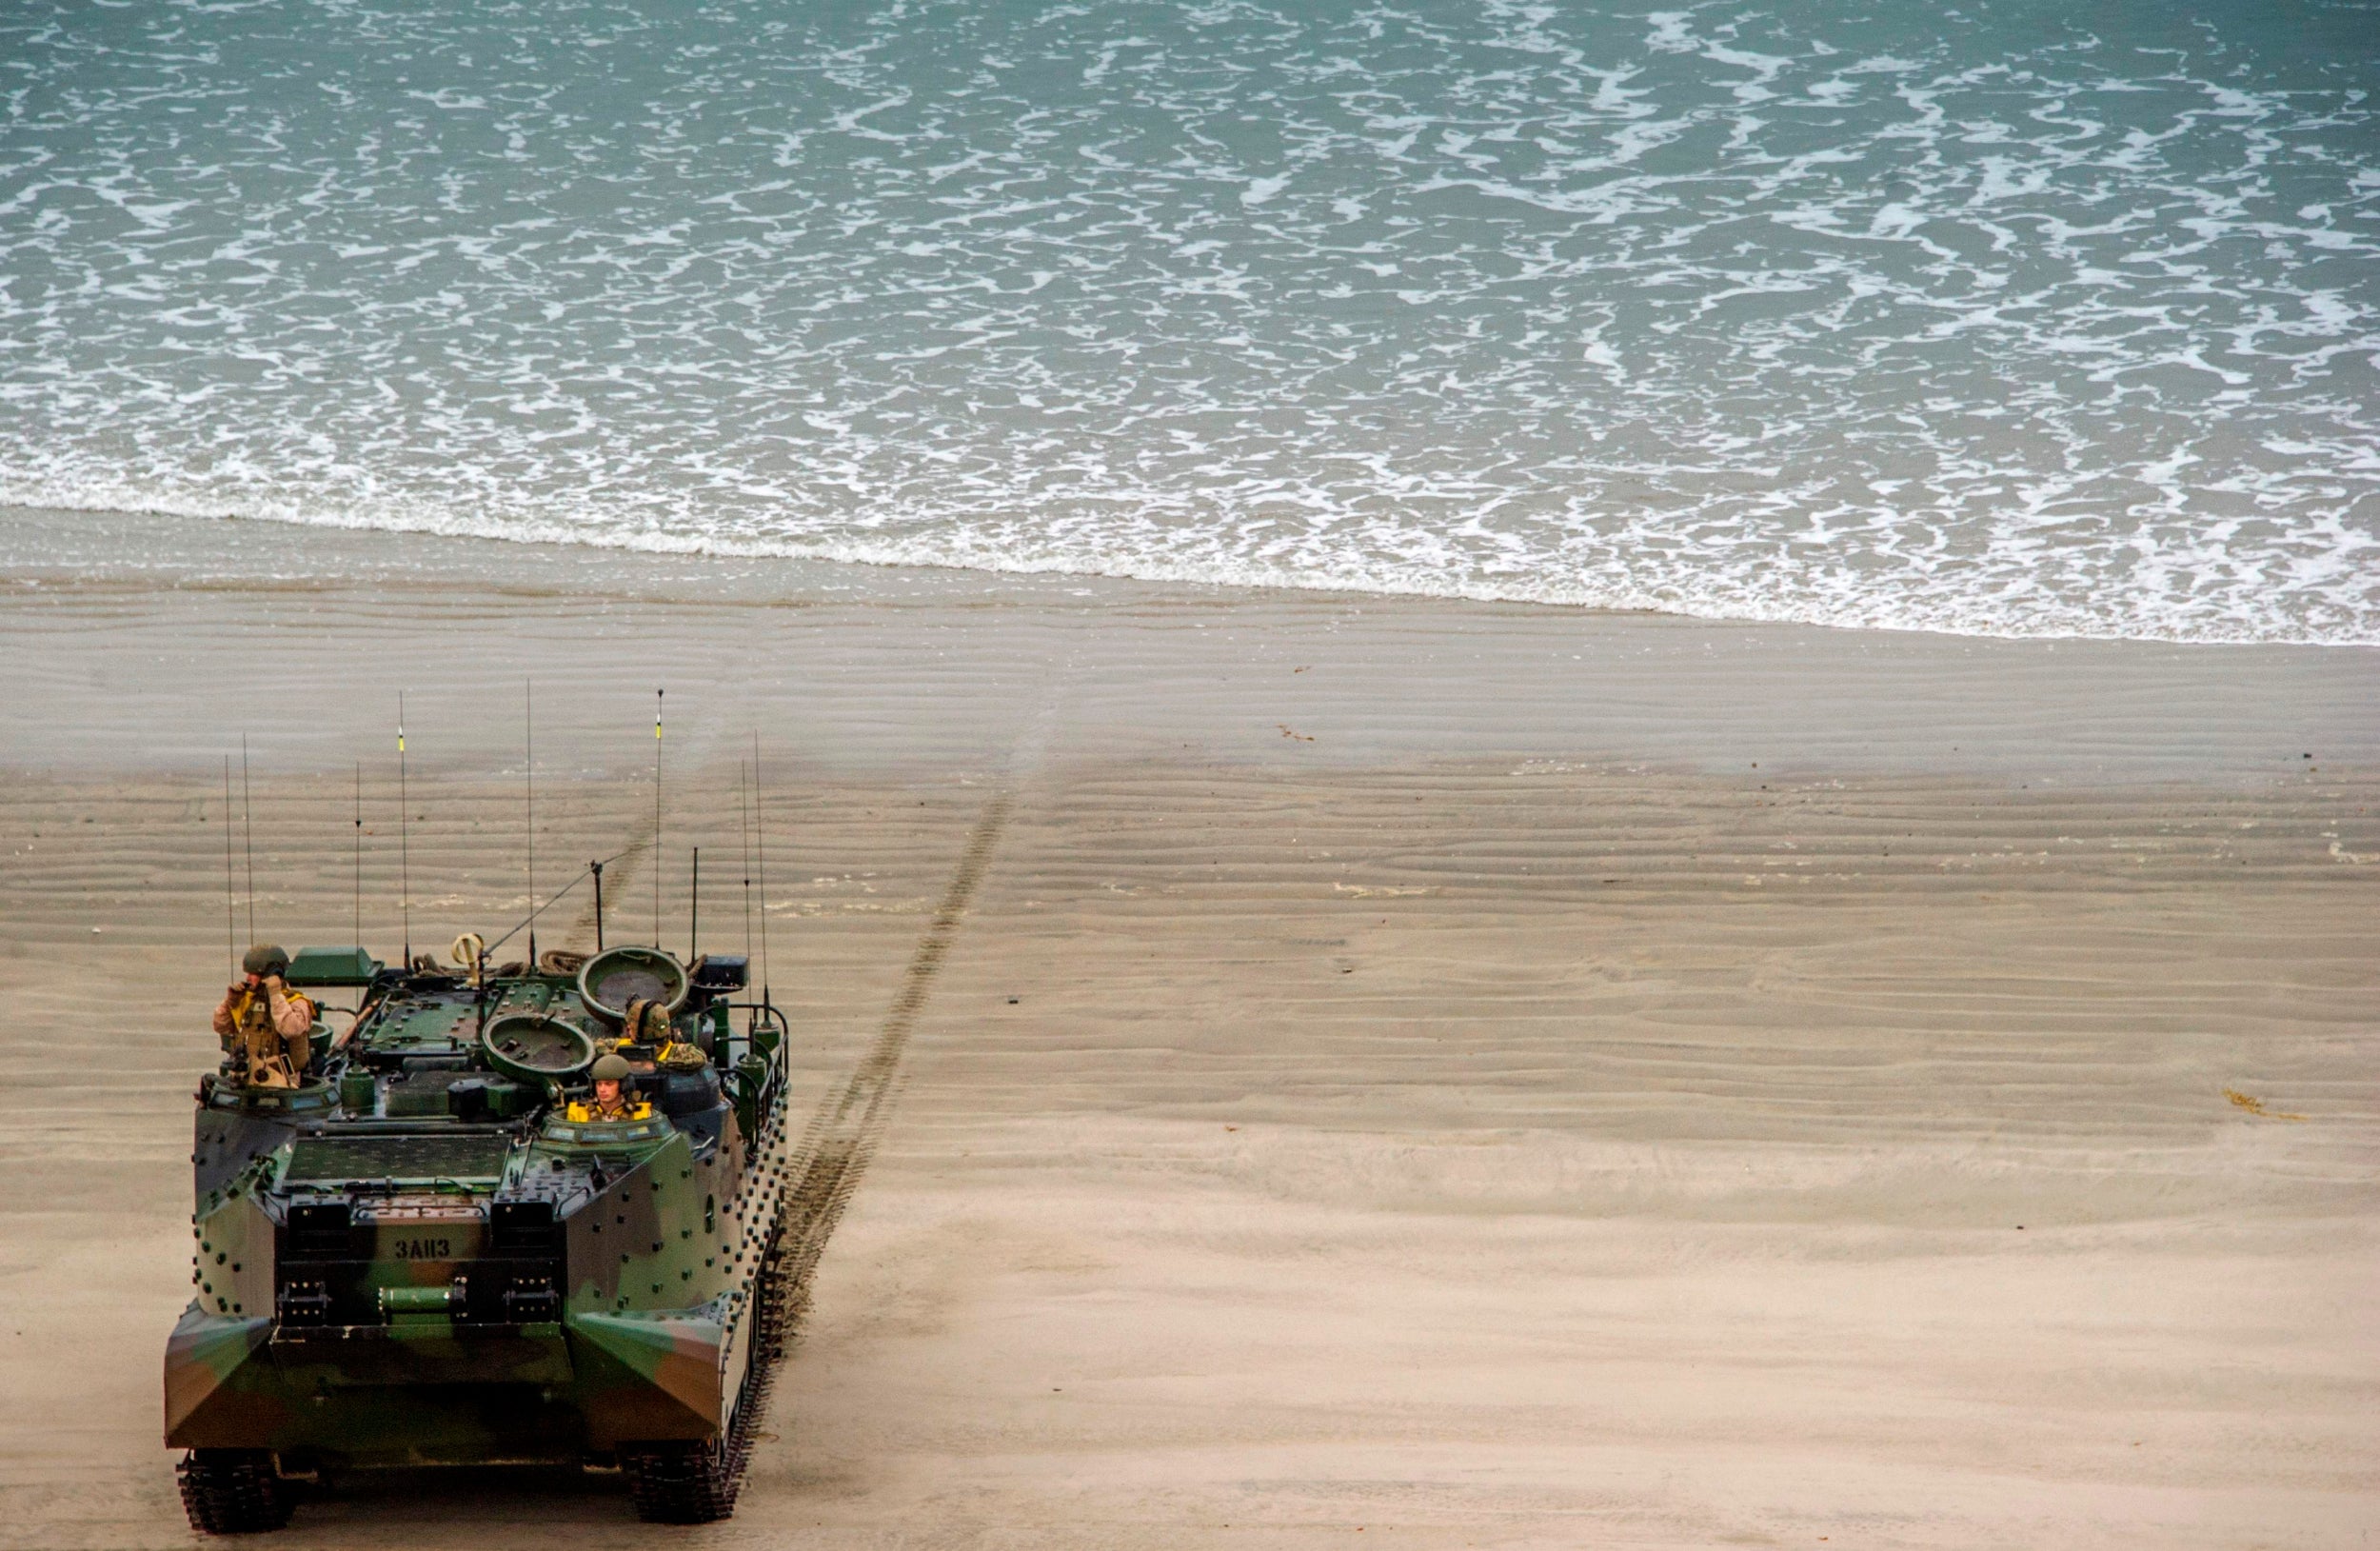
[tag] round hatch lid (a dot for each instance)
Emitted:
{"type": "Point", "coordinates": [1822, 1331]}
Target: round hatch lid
{"type": "Point", "coordinates": [616, 977]}
{"type": "Point", "coordinates": [531, 1047]}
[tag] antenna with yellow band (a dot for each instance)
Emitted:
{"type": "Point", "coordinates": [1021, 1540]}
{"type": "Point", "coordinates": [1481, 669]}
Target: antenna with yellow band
{"type": "Point", "coordinates": [656, 694]}
{"type": "Point", "coordinates": [528, 780]}
{"type": "Point", "coordinates": [404, 843]}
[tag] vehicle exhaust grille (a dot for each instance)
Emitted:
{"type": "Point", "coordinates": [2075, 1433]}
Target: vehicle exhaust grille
{"type": "Point", "coordinates": [337, 1160]}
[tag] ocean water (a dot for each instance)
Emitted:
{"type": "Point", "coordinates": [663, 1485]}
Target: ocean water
{"type": "Point", "coordinates": [2018, 319]}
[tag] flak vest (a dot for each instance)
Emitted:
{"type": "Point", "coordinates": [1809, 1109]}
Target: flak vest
{"type": "Point", "coordinates": [266, 1054]}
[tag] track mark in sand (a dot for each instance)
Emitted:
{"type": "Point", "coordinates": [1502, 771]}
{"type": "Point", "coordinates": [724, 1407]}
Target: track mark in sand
{"type": "Point", "coordinates": [841, 1135]}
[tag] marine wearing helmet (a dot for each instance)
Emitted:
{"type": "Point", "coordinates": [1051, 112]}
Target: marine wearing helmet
{"type": "Point", "coordinates": [610, 1101]}
{"type": "Point", "coordinates": [267, 1027]}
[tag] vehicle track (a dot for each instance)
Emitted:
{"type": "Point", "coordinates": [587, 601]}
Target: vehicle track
{"type": "Point", "coordinates": [841, 1135]}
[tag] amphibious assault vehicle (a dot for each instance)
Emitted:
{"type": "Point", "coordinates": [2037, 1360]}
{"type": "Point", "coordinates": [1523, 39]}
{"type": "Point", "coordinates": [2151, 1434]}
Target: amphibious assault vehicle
{"type": "Point", "coordinates": [417, 1255]}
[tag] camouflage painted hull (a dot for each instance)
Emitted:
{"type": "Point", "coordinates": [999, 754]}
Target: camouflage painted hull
{"type": "Point", "coordinates": [552, 1392]}
{"type": "Point", "coordinates": [422, 1260]}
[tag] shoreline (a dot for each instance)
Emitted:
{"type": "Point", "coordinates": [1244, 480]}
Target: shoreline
{"type": "Point", "coordinates": [64, 537]}
{"type": "Point", "coordinates": [127, 670]}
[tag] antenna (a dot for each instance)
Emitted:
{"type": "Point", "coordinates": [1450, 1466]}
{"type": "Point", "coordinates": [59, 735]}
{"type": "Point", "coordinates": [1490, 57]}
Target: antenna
{"type": "Point", "coordinates": [694, 911]}
{"type": "Point", "coordinates": [597, 867]}
{"type": "Point", "coordinates": [405, 841]}
{"type": "Point", "coordinates": [487, 950]}
{"type": "Point", "coordinates": [359, 853]}
{"type": "Point", "coordinates": [744, 813]}
{"type": "Point", "coordinates": [529, 765]}
{"type": "Point", "coordinates": [230, 916]}
{"type": "Point", "coordinates": [247, 838]}
{"type": "Point", "coordinates": [656, 694]}
{"type": "Point", "coordinates": [760, 837]}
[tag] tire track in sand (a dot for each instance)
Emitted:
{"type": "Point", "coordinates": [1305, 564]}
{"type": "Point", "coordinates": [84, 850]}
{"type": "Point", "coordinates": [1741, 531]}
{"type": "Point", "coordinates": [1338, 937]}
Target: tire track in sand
{"type": "Point", "coordinates": [841, 1135]}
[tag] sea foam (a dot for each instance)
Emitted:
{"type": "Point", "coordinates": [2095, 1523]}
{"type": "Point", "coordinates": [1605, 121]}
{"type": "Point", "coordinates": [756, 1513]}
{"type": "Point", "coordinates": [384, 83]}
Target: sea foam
{"type": "Point", "coordinates": [1998, 325]}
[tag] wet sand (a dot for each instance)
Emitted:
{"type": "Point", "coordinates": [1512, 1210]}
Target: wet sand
{"type": "Point", "coordinates": [1447, 1074]}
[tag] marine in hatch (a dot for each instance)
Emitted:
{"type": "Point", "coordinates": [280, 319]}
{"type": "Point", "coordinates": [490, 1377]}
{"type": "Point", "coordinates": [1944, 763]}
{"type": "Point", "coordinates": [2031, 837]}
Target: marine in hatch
{"type": "Point", "coordinates": [267, 1025]}
{"type": "Point", "coordinates": [610, 1101]}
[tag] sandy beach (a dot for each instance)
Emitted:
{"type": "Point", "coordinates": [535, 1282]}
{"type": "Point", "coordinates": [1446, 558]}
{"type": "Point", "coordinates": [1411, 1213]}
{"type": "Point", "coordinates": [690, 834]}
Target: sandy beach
{"type": "Point", "coordinates": [1411, 1073]}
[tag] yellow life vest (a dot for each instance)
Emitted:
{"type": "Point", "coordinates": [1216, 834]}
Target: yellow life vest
{"type": "Point", "coordinates": [580, 1112]}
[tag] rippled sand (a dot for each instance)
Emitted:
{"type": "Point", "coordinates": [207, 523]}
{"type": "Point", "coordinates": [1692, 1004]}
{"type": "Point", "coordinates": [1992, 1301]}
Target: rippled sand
{"type": "Point", "coordinates": [1467, 1075]}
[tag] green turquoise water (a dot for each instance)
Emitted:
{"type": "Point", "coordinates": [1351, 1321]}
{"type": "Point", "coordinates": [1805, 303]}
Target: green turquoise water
{"type": "Point", "coordinates": [2018, 319]}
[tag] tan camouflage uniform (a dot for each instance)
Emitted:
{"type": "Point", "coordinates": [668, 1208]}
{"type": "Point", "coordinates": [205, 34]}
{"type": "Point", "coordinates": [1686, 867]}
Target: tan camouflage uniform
{"type": "Point", "coordinates": [269, 1027]}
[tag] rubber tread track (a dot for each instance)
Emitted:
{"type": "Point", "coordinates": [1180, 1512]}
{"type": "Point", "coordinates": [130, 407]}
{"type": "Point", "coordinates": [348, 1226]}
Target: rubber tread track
{"type": "Point", "coordinates": [233, 1492]}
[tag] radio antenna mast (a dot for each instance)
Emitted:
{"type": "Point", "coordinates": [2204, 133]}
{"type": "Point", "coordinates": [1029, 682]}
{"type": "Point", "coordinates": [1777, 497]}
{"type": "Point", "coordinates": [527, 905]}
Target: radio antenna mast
{"type": "Point", "coordinates": [247, 838]}
{"type": "Point", "coordinates": [404, 842]}
{"type": "Point", "coordinates": [359, 853]}
{"type": "Point", "coordinates": [230, 911]}
{"type": "Point", "coordinates": [694, 912]}
{"type": "Point", "coordinates": [760, 837]}
{"type": "Point", "coordinates": [529, 765]}
{"type": "Point", "coordinates": [744, 813]}
{"type": "Point", "coordinates": [656, 694]}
